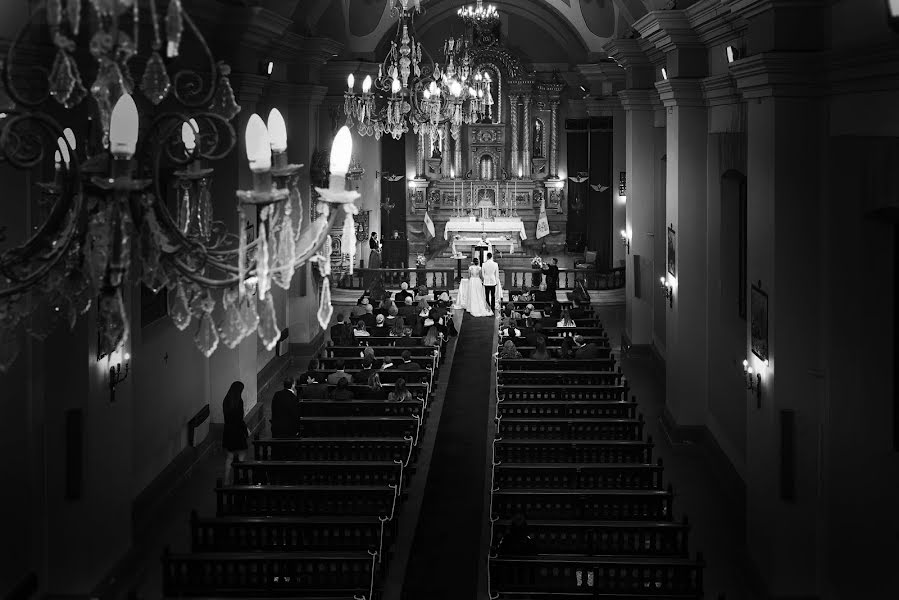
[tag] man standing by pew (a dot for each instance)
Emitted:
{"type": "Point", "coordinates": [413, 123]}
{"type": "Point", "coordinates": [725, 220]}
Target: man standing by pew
{"type": "Point", "coordinates": [285, 420]}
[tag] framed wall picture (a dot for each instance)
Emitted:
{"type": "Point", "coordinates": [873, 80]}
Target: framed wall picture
{"type": "Point", "coordinates": [758, 324]}
{"type": "Point", "coordinates": [672, 251]}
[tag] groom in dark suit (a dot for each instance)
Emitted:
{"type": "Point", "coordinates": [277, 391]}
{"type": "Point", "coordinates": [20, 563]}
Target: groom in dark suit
{"type": "Point", "coordinates": [490, 273]}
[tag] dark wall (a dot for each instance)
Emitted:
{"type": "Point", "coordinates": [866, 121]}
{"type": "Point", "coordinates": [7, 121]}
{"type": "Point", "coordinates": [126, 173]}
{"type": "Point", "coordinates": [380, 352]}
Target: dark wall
{"type": "Point", "coordinates": [589, 210]}
{"type": "Point", "coordinates": [393, 162]}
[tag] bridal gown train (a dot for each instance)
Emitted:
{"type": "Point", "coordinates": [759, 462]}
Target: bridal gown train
{"type": "Point", "coordinates": [477, 299]}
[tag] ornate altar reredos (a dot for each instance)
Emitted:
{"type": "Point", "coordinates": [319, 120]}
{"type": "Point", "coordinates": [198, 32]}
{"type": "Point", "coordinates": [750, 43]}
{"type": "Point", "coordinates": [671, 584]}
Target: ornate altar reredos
{"type": "Point", "coordinates": [500, 168]}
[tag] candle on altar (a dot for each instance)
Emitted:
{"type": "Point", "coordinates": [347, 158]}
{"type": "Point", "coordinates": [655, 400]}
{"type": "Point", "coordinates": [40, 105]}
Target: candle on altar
{"type": "Point", "coordinates": [453, 175]}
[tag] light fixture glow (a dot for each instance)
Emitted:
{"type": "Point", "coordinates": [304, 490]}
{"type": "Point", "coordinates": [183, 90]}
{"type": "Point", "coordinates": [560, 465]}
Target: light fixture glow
{"type": "Point", "coordinates": [395, 86]}
{"type": "Point", "coordinates": [732, 54]}
{"type": "Point", "coordinates": [57, 158]}
{"type": "Point", "coordinates": [366, 84]}
{"type": "Point", "coordinates": [188, 137]}
{"type": "Point", "coordinates": [259, 152]}
{"type": "Point", "coordinates": [277, 131]}
{"type": "Point", "coordinates": [269, 68]}
{"type": "Point", "coordinates": [64, 151]}
{"type": "Point", "coordinates": [894, 8]}
{"type": "Point", "coordinates": [664, 73]}
{"type": "Point", "coordinates": [70, 137]}
{"type": "Point", "coordinates": [123, 128]}
{"type": "Point", "coordinates": [341, 150]}
{"type": "Point", "coordinates": [350, 82]}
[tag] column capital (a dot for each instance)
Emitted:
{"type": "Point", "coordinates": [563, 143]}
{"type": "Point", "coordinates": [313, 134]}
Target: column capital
{"type": "Point", "coordinates": [603, 106]}
{"type": "Point", "coordinates": [668, 30]}
{"type": "Point", "coordinates": [683, 93]}
{"type": "Point", "coordinates": [646, 100]}
{"type": "Point", "coordinates": [251, 28]}
{"type": "Point", "coordinates": [781, 74]}
{"type": "Point", "coordinates": [302, 94]}
{"type": "Point", "coordinates": [605, 78]}
{"type": "Point", "coordinates": [778, 25]}
{"type": "Point", "coordinates": [248, 87]}
{"type": "Point", "coordinates": [639, 70]}
{"type": "Point", "coordinates": [305, 55]}
{"type": "Point", "coordinates": [720, 90]}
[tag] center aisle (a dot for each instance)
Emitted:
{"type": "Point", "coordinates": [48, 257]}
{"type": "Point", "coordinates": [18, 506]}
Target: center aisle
{"type": "Point", "coordinates": [445, 552]}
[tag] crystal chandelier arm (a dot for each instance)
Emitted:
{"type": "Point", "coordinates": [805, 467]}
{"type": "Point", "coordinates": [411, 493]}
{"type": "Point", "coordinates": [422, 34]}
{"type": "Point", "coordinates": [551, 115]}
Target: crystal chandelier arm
{"type": "Point", "coordinates": [35, 71]}
{"type": "Point", "coordinates": [188, 83]}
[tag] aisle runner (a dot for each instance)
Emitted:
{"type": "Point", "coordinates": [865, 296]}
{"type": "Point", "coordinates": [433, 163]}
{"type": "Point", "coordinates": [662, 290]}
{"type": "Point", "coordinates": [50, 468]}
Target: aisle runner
{"type": "Point", "coordinates": [443, 563]}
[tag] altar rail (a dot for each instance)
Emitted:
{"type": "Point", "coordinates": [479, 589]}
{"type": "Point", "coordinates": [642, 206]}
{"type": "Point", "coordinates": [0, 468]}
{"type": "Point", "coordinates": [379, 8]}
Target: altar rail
{"type": "Point", "coordinates": [517, 277]}
{"type": "Point", "coordinates": [361, 279]}
{"type": "Point", "coordinates": [513, 278]}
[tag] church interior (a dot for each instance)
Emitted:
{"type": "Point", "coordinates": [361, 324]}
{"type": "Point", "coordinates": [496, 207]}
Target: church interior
{"type": "Point", "coordinates": [247, 248]}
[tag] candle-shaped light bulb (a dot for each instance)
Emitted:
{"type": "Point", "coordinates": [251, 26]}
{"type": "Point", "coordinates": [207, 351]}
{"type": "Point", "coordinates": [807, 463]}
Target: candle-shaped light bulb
{"type": "Point", "coordinates": [64, 151]}
{"type": "Point", "coordinates": [70, 137]}
{"type": "Point", "coordinates": [341, 150]}
{"type": "Point", "coordinates": [624, 234]}
{"type": "Point", "coordinates": [259, 152]}
{"type": "Point", "coordinates": [453, 173]}
{"type": "Point", "coordinates": [519, 172]}
{"type": "Point", "coordinates": [350, 82]}
{"type": "Point", "coordinates": [662, 280]}
{"type": "Point", "coordinates": [749, 370]}
{"type": "Point", "coordinates": [456, 88]}
{"type": "Point", "coordinates": [277, 131]}
{"type": "Point", "coordinates": [366, 84]}
{"type": "Point", "coordinates": [433, 88]}
{"type": "Point", "coordinates": [395, 86]}
{"type": "Point", "coordinates": [745, 364]}
{"type": "Point", "coordinates": [123, 128]}
{"type": "Point", "coordinates": [188, 137]}
{"type": "Point", "coordinates": [426, 94]}
{"type": "Point", "coordinates": [57, 160]}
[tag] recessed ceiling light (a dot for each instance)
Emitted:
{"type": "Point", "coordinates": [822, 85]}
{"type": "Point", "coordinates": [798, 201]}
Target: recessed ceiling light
{"type": "Point", "coordinates": [583, 89]}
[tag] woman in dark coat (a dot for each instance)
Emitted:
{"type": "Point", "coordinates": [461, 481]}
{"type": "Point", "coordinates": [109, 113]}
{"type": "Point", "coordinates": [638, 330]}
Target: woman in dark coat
{"type": "Point", "coordinates": [234, 438]}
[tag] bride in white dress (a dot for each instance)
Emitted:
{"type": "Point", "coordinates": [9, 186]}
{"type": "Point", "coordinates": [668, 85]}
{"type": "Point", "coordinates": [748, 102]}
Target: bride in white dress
{"type": "Point", "coordinates": [477, 300]}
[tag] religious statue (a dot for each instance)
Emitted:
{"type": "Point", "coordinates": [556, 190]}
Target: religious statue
{"type": "Point", "coordinates": [538, 138]}
{"type": "Point", "coordinates": [435, 147]}
{"type": "Point", "coordinates": [488, 99]}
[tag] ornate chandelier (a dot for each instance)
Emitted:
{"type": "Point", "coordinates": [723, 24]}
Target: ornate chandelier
{"type": "Point", "coordinates": [408, 94]}
{"type": "Point", "coordinates": [479, 14]}
{"type": "Point", "coordinates": [107, 222]}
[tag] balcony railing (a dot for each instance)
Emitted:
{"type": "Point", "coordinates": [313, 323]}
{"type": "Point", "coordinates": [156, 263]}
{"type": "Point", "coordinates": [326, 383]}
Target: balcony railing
{"type": "Point", "coordinates": [514, 278]}
{"type": "Point", "coordinates": [361, 279]}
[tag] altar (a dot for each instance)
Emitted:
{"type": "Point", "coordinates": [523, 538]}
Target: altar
{"type": "Point", "coordinates": [498, 227]}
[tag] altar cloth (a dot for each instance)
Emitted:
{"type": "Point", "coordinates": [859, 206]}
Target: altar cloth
{"type": "Point", "coordinates": [498, 225]}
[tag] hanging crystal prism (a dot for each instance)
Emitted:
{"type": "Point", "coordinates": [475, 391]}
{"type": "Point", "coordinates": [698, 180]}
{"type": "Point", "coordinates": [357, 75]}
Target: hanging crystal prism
{"type": "Point", "coordinates": [268, 323]}
{"type": "Point", "coordinates": [155, 83]}
{"type": "Point", "coordinates": [263, 273]}
{"type": "Point", "coordinates": [178, 307]}
{"type": "Point", "coordinates": [206, 338]}
{"type": "Point", "coordinates": [249, 315]}
{"type": "Point", "coordinates": [79, 92]}
{"type": "Point", "coordinates": [61, 78]}
{"type": "Point", "coordinates": [113, 321]}
{"type": "Point", "coordinates": [73, 11]}
{"type": "Point", "coordinates": [174, 26]}
{"type": "Point", "coordinates": [325, 310]}
{"type": "Point", "coordinates": [184, 207]}
{"type": "Point", "coordinates": [285, 250]}
{"type": "Point", "coordinates": [232, 329]}
{"type": "Point", "coordinates": [223, 103]}
{"type": "Point", "coordinates": [204, 211]}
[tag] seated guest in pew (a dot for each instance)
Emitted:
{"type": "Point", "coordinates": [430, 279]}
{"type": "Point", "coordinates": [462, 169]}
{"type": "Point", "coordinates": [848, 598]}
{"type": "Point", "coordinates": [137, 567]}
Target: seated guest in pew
{"type": "Point", "coordinates": [400, 296]}
{"type": "Point", "coordinates": [406, 338]}
{"type": "Point", "coordinates": [423, 307]}
{"type": "Point", "coordinates": [407, 364]}
{"type": "Point", "coordinates": [359, 309]}
{"type": "Point", "coordinates": [566, 349]}
{"type": "Point", "coordinates": [343, 391]}
{"type": "Point", "coordinates": [310, 375]}
{"type": "Point", "coordinates": [379, 329]}
{"type": "Point", "coordinates": [509, 350]}
{"type": "Point", "coordinates": [576, 311]}
{"type": "Point", "coordinates": [421, 292]}
{"type": "Point", "coordinates": [532, 335]}
{"type": "Point", "coordinates": [408, 310]}
{"type": "Point", "coordinates": [399, 392]}
{"type": "Point", "coordinates": [444, 297]}
{"type": "Point", "coordinates": [565, 320]}
{"type": "Point", "coordinates": [387, 364]}
{"type": "Point", "coordinates": [516, 541]}
{"type": "Point", "coordinates": [392, 314]}
{"type": "Point", "coordinates": [342, 333]}
{"type": "Point", "coordinates": [583, 350]}
{"type": "Point", "coordinates": [285, 421]}
{"type": "Point", "coordinates": [540, 352]}
{"type": "Point", "coordinates": [364, 375]}
{"type": "Point", "coordinates": [360, 330]}
{"type": "Point", "coordinates": [580, 292]}
{"type": "Point", "coordinates": [336, 376]}
{"type": "Point", "coordinates": [397, 327]}
{"type": "Point", "coordinates": [432, 336]}
{"type": "Point", "coordinates": [234, 435]}
{"type": "Point", "coordinates": [509, 329]}
{"type": "Point", "coordinates": [368, 352]}
{"type": "Point", "coordinates": [315, 390]}
{"type": "Point", "coordinates": [555, 310]}
{"type": "Point", "coordinates": [383, 307]}
{"type": "Point", "coordinates": [369, 317]}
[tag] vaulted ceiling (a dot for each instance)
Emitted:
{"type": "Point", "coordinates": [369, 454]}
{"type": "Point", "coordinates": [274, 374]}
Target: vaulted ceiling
{"type": "Point", "coordinates": [546, 29]}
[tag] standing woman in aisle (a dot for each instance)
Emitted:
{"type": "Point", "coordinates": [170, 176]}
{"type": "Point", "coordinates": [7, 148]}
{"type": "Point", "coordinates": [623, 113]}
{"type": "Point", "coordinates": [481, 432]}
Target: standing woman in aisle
{"type": "Point", "coordinates": [374, 258]}
{"type": "Point", "coordinates": [234, 437]}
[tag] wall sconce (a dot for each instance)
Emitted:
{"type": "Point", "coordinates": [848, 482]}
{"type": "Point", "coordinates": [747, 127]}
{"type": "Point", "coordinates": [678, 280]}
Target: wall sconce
{"type": "Point", "coordinates": [626, 239]}
{"type": "Point", "coordinates": [754, 384]}
{"type": "Point", "coordinates": [664, 74]}
{"type": "Point", "coordinates": [116, 377]}
{"type": "Point", "coordinates": [266, 68]}
{"type": "Point", "coordinates": [622, 186]}
{"type": "Point", "coordinates": [667, 290]}
{"type": "Point", "coordinates": [733, 53]}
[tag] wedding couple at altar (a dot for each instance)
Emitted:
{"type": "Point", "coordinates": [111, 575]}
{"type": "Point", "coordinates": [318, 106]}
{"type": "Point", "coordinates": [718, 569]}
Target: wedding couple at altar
{"type": "Point", "coordinates": [478, 293]}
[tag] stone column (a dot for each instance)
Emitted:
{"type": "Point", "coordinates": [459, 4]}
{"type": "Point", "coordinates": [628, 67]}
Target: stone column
{"type": "Point", "coordinates": [526, 138]}
{"type": "Point", "coordinates": [554, 139]}
{"type": "Point", "coordinates": [639, 107]}
{"type": "Point", "coordinates": [457, 155]}
{"type": "Point", "coordinates": [513, 132]}
{"type": "Point", "coordinates": [420, 155]}
{"type": "Point", "coordinates": [445, 157]}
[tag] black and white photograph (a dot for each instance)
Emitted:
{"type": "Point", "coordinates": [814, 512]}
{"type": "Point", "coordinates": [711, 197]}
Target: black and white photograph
{"type": "Point", "coordinates": [449, 299]}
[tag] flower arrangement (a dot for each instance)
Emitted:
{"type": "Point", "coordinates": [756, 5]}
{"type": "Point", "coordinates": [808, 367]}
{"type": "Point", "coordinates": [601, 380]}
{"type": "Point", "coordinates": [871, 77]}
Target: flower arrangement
{"type": "Point", "coordinates": [536, 263]}
{"type": "Point", "coordinates": [420, 260]}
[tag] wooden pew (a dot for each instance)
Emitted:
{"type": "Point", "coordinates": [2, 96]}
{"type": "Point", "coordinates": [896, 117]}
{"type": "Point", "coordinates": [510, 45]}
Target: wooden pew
{"type": "Point", "coordinates": [317, 427]}
{"type": "Point", "coordinates": [571, 429]}
{"type": "Point", "coordinates": [573, 451]}
{"type": "Point", "coordinates": [544, 577]}
{"type": "Point", "coordinates": [293, 574]}
{"type": "Point", "coordinates": [595, 505]}
{"type": "Point", "coordinates": [605, 409]}
{"type": "Point", "coordinates": [363, 392]}
{"type": "Point", "coordinates": [336, 448]}
{"type": "Point", "coordinates": [390, 375]}
{"type": "Point", "coordinates": [355, 362]}
{"type": "Point", "coordinates": [288, 534]}
{"type": "Point", "coordinates": [561, 378]}
{"type": "Point", "coordinates": [635, 538]}
{"type": "Point", "coordinates": [332, 473]}
{"type": "Point", "coordinates": [626, 476]}
{"type": "Point", "coordinates": [557, 393]}
{"type": "Point", "coordinates": [299, 500]}
{"type": "Point", "coordinates": [556, 364]}
{"type": "Point", "coordinates": [380, 351]}
{"type": "Point", "coordinates": [360, 408]}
